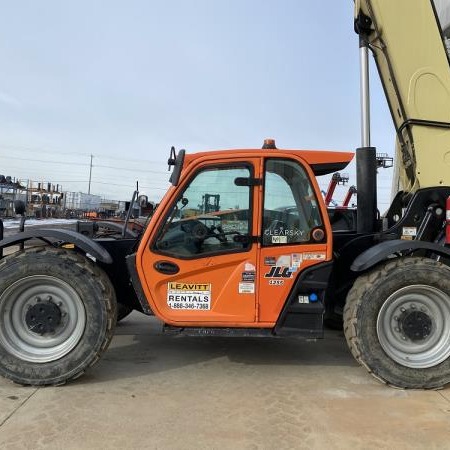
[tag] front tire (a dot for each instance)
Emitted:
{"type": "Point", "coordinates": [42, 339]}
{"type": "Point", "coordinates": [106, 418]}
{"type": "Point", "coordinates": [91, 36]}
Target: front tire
{"type": "Point", "coordinates": [397, 323]}
{"type": "Point", "coordinates": [57, 315]}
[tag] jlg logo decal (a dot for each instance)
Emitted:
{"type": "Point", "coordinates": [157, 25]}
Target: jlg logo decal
{"type": "Point", "coordinates": [278, 272]}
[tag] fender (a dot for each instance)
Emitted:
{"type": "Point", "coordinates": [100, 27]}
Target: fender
{"type": "Point", "coordinates": [380, 252]}
{"type": "Point", "coordinates": [82, 242]}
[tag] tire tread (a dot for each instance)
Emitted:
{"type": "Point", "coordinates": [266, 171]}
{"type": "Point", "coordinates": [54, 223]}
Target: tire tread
{"type": "Point", "coordinates": [108, 296]}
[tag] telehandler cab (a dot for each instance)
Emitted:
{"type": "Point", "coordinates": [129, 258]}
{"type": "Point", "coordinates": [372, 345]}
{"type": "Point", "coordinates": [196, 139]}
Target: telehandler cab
{"type": "Point", "coordinates": [243, 244]}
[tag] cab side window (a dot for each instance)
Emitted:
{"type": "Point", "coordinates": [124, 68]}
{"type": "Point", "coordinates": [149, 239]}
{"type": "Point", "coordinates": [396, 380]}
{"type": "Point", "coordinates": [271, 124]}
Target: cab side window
{"type": "Point", "coordinates": [291, 209]}
{"type": "Point", "coordinates": [211, 216]}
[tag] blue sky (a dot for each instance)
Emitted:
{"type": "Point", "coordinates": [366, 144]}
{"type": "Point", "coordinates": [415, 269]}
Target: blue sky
{"type": "Point", "coordinates": [126, 80]}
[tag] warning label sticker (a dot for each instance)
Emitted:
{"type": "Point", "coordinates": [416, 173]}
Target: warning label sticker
{"type": "Point", "coordinates": [279, 239]}
{"type": "Point", "coordinates": [248, 276]}
{"type": "Point", "coordinates": [194, 296]}
{"type": "Point", "coordinates": [409, 231]}
{"type": "Point", "coordinates": [308, 256]}
{"type": "Point", "coordinates": [249, 267]}
{"type": "Point", "coordinates": [297, 259]}
{"type": "Point", "coordinates": [246, 288]}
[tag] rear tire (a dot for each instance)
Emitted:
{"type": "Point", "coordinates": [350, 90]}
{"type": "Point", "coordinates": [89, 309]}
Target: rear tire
{"type": "Point", "coordinates": [57, 315]}
{"type": "Point", "coordinates": [397, 323]}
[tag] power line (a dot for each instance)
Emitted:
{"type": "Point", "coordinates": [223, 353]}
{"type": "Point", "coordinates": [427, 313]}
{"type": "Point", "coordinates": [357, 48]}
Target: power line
{"type": "Point", "coordinates": [110, 184]}
{"type": "Point", "coordinates": [100, 179]}
{"type": "Point", "coordinates": [90, 165]}
{"type": "Point", "coordinates": [47, 161]}
{"type": "Point", "coordinates": [139, 161]}
{"type": "Point", "coordinates": [130, 185]}
{"type": "Point", "coordinates": [129, 170]}
{"type": "Point", "coordinates": [97, 155]}
{"type": "Point", "coordinates": [40, 150]}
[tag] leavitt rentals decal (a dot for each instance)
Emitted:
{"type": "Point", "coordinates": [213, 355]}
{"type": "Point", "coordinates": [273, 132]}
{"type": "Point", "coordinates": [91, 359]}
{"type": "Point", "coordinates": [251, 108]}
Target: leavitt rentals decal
{"type": "Point", "coordinates": [193, 296]}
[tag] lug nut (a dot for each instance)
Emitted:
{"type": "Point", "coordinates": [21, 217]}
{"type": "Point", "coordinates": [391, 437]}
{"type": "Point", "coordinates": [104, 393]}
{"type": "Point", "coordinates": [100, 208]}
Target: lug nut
{"type": "Point", "coordinates": [49, 297]}
{"type": "Point", "coordinates": [38, 299]}
{"type": "Point", "coordinates": [413, 306]}
{"type": "Point", "coordinates": [402, 309]}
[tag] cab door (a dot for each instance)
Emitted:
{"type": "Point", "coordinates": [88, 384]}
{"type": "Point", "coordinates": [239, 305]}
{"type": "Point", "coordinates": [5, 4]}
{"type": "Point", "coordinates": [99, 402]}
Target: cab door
{"type": "Point", "coordinates": [294, 234]}
{"type": "Point", "coordinates": [199, 266]}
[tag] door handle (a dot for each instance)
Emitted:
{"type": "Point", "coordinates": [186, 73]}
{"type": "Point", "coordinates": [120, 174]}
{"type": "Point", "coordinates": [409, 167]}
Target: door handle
{"type": "Point", "coordinates": [166, 267]}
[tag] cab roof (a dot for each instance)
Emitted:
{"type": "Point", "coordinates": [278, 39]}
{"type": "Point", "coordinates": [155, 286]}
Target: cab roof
{"type": "Point", "coordinates": [322, 162]}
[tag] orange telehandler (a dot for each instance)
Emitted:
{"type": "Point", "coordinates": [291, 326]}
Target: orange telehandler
{"type": "Point", "coordinates": [265, 257]}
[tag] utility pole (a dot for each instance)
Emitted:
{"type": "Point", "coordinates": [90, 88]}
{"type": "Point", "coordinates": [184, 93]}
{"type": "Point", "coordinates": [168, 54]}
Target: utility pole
{"type": "Point", "coordinates": [90, 175]}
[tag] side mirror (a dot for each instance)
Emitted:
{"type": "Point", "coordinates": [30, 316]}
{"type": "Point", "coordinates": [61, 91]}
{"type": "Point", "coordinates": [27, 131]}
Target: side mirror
{"type": "Point", "coordinates": [19, 207]}
{"type": "Point", "coordinates": [178, 165]}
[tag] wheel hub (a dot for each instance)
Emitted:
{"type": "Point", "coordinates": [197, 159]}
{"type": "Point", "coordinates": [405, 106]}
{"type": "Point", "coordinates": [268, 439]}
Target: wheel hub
{"type": "Point", "coordinates": [415, 325]}
{"type": "Point", "coordinates": [43, 317]}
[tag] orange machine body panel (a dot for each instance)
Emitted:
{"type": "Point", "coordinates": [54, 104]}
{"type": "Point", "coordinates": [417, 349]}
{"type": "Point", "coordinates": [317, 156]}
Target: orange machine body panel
{"type": "Point", "coordinates": [241, 288]}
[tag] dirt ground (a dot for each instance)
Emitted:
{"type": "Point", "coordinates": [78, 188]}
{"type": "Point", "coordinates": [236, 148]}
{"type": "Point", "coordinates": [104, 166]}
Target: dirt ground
{"type": "Point", "coordinates": [159, 392]}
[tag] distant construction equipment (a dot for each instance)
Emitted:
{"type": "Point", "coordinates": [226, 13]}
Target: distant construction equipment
{"type": "Point", "coordinates": [10, 190]}
{"type": "Point", "coordinates": [45, 199]}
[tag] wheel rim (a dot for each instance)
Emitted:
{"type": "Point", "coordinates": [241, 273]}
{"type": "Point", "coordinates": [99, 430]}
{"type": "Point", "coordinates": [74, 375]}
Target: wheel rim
{"type": "Point", "coordinates": [62, 316]}
{"type": "Point", "coordinates": [413, 326]}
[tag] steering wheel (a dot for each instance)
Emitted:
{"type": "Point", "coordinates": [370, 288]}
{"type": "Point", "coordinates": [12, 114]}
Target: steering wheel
{"type": "Point", "coordinates": [195, 233]}
{"type": "Point", "coordinates": [198, 232]}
